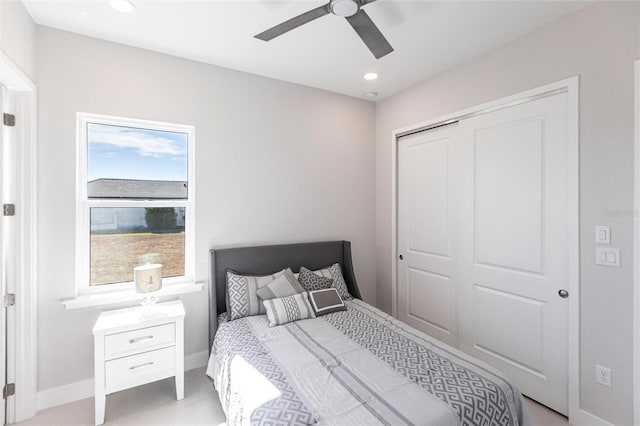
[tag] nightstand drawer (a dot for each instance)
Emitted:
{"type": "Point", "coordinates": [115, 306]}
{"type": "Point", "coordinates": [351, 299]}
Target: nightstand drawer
{"type": "Point", "coordinates": [136, 370]}
{"type": "Point", "coordinates": [136, 341]}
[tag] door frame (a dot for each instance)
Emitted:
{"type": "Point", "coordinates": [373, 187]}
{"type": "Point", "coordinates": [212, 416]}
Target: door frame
{"type": "Point", "coordinates": [23, 371]}
{"type": "Point", "coordinates": [571, 87]}
{"type": "Point", "coordinates": [636, 248]}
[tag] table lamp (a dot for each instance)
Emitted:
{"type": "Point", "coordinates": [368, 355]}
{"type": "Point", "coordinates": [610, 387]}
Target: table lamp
{"type": "Point", "coordinates": [148, 279]}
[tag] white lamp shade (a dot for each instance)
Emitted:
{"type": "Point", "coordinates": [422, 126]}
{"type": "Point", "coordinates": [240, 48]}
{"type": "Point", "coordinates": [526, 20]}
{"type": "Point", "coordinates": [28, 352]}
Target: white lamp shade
{"type": "Point", "coordinates": [148, 278]}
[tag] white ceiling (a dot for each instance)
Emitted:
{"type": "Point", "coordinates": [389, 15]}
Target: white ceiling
{"type": "Point", "coordinates": [428, 36]}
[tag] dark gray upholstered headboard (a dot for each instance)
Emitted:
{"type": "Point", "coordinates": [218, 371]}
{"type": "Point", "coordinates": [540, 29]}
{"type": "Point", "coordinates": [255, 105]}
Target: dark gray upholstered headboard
{"type": "Point", "coordinates": [265, 260]}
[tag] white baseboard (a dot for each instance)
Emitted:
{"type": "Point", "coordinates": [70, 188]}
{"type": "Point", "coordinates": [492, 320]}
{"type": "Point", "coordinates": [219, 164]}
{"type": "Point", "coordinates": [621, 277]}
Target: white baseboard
{"type": "Point", "coordinates": [64, 394]}
{"type": "Point", "coordinates": [587, 419]}
{"type": "Point", "coordinates": [84, 389]}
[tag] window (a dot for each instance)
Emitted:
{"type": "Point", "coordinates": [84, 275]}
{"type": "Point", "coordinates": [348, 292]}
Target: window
{"type": "Point", "coordinates": [135, 200]}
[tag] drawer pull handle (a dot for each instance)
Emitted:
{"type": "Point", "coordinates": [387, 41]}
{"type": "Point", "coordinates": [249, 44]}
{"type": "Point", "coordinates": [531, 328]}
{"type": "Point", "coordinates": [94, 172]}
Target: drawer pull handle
{"type": "Point", "coordinates": [147, 364]}
{"type": "Point", "coordinates": [140, 339]}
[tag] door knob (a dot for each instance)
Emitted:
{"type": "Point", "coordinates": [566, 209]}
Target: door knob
{"type": "Point", "coordinates": [401, 257]}
{"type": "Point", "coordinates": [563, 293]}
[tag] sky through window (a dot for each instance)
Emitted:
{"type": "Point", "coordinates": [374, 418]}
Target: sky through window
{"type": "Point", "coordinates": [117, 152]}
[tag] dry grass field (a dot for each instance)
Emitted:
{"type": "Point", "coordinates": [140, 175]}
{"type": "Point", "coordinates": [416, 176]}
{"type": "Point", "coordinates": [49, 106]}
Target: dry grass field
{"type": "Point", "coordinates": [113, 256]}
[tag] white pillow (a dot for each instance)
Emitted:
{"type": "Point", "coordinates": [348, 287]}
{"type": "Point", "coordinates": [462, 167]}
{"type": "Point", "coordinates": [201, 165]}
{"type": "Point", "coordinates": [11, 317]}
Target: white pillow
{"type": "Point", "coordinates": [283, 310]}
{"type": "Point", "coordinates": [285, 285]}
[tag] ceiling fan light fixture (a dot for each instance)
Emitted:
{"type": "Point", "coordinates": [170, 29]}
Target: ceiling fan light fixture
{"type": "Point", "coordinates": [124, 6]}
{"type": "Point", "coordinates": [344, 8]}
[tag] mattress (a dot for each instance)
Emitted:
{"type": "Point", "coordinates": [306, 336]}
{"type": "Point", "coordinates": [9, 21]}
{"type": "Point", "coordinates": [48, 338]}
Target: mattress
{"type": "Point", "coordinates": [355, 367]}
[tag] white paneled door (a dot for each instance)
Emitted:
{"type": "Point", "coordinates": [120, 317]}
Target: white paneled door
{"type": "Point", "coordinates": [514, 245]}
{"type": "Point", "coordinates": [3, 272]}
{"type": "Point", "coordinates": [483, 230]}
{"type": "Point", "coordinates": [427, 275]}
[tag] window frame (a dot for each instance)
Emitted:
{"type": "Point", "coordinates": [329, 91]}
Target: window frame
{"type": "Point", "coordinates": [84, 204]}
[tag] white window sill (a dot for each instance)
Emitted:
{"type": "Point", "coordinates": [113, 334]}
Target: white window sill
{"type": "Point", "coordinates": [123, 296]}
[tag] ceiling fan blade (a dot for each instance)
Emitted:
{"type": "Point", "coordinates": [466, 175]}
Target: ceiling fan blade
{"type": "Point", "coordinates": [293, 23]}
{"type": "Point", "coordinates": [365, 2]}
{"type": "Point", "coordinates": [370, 34]}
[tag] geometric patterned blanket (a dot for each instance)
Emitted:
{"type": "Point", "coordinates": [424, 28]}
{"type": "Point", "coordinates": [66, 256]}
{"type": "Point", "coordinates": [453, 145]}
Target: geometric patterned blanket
{"type": "Point", "coordinates": [360, 367]}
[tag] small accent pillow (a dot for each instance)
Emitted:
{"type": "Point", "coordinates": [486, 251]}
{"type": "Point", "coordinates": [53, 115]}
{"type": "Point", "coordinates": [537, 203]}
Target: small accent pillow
{"type": "Point", "coordinates": [326, 301]}
{"type": "Point", "coordinates": [335, 273]}
{"type": "Point", "coordinates": [283, 286]}
{"type": "Point", "coordinates": [242, 297]}
{"type": "Point", "coordinates": [312, 281]}
{"type": "Point", "coordinates": [283, 310]}
{"type": "Point", "coordinates": [338, 281]}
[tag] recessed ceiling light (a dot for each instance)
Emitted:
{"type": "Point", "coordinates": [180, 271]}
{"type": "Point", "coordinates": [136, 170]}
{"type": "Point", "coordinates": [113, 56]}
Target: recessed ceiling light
{"type": "Point", "coordinates": [124, 6]}
{"type": "Point", "coordinates": [371, 94]}
{"type": "Point", "coordinates": [371, 76]}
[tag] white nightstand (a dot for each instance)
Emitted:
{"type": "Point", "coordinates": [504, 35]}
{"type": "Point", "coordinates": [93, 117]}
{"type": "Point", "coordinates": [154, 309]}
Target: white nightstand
{"type": "Point", "coordinates": [138, 345]}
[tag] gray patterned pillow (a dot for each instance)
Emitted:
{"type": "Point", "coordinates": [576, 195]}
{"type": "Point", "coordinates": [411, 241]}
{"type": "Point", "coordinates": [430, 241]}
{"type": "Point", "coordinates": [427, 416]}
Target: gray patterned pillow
{"type": "Point", "coordinates": [335, 273]}
{"type": "Point", "coordinates": [312, 281]}
{"type": "Point", "coordinates": [338, 281]}
{"type": "Point", "coordinates": [285, 285]}
{"type": "Point", "coordinates": [242, 297]}
{"type": "Point", "coordinates": [283, 310]}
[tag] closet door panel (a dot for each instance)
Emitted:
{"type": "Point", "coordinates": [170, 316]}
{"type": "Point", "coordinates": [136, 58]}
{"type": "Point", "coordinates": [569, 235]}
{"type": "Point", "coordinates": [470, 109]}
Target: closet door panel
{"type": "Point", "coordinates": [513, 244]}
{"type": "Point", "coordinates": [427, 276]}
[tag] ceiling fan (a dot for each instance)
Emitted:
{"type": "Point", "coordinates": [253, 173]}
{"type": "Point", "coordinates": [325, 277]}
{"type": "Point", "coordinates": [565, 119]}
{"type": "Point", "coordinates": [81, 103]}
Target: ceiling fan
{"type": "Point", "coordinates": [352, 11]}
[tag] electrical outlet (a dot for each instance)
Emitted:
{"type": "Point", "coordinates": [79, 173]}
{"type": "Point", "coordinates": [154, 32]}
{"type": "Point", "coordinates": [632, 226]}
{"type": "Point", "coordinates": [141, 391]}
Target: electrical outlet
{"type": "Point", "coordinates": [603, 375]}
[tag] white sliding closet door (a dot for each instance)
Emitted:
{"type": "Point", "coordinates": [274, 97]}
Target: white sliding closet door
{"type": "Point", "coordinates": [483, 241]}
{"type": "Point", "coordinates": [513, 252]}
{"type": "Point", "coordinates": [427, 275]}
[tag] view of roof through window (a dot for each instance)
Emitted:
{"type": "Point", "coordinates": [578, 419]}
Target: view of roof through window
{"type": "Point", "coordinates": [136, 163]}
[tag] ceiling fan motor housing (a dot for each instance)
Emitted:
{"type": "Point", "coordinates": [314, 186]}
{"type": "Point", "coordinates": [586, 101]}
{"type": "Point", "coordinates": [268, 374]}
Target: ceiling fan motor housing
{"type": "Point", "coordinates": [344, 8]}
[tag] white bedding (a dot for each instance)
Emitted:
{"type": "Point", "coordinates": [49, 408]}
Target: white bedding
{"type": "Point", "coordinates": [356, 367]}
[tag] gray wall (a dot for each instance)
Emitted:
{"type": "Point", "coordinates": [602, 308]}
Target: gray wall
{"type": "Point", "coordinates": [275, 162]}
{"type": "Point", "coordinates": [18, 36]}
{"type": "Point", "coordinates": [599, 43]}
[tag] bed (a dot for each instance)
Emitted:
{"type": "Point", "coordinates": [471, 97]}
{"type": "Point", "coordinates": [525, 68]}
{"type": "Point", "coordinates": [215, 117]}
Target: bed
{"type": "Point", "coordinates": [359, 366]}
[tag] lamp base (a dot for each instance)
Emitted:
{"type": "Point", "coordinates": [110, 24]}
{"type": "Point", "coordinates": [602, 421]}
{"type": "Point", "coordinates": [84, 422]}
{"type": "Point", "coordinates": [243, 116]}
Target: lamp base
{"type": "Point", "coordinates": [149, 301]}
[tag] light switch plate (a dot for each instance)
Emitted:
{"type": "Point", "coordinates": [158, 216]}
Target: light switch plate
{"type": "Point", "coordinates": [603, 375]}
{"type": "Point", "coordinates": [603, 234]}
{"type": "Point", "coordinates": [608, 256]}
